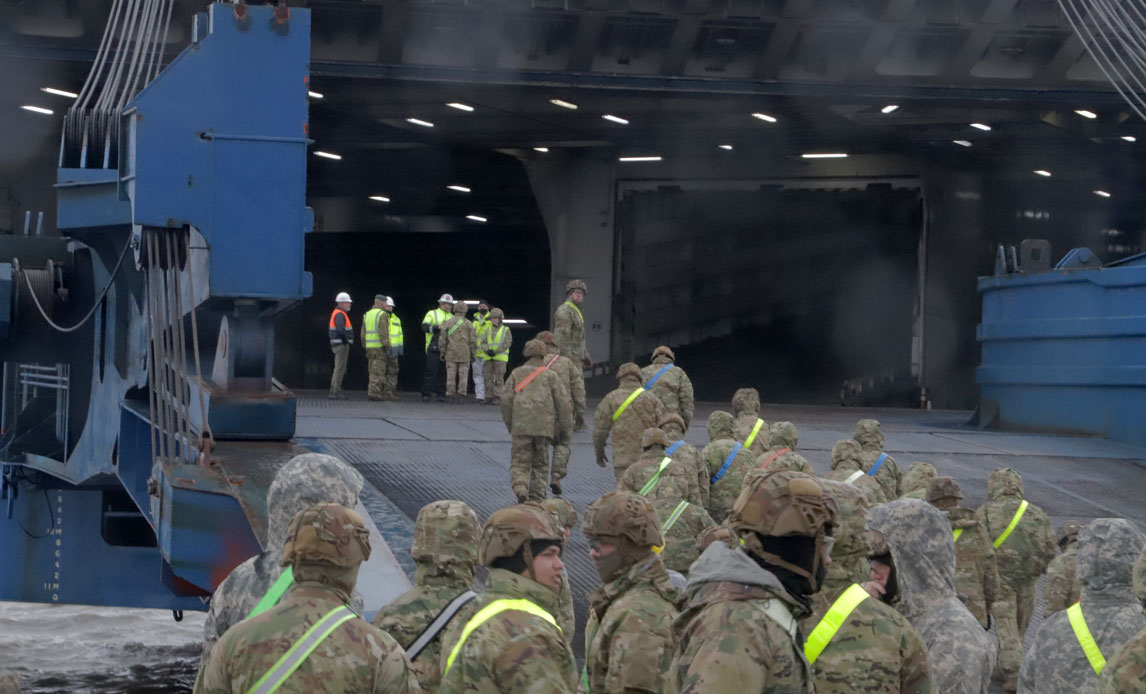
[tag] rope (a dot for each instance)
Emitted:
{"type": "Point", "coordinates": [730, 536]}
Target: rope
{"type": "Point", "coordinates": [95, 304]}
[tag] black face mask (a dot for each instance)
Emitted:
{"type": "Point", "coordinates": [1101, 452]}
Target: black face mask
{"type": "Point", "coordinates": [799, 551]}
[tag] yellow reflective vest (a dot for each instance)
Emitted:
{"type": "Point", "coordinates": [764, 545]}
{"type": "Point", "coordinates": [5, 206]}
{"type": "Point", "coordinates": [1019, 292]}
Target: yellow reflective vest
{"type": "Point", "coordinates": [371, 335]}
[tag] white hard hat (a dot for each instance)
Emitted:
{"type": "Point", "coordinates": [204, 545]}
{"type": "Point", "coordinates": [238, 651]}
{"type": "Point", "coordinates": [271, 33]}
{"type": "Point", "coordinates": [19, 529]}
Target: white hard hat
{"type": "Point", "coordinates": [446, 298]}
{"type": "Point", "coordinates": [343, 296]}
{"type": "Point", "coordinates": [389, 301]}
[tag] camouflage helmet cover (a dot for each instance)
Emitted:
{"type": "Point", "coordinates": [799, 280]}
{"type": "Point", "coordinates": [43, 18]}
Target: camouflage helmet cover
{"type": "Point", "coordinates": [496, 312]}
{"type": "Point", "coordinates": [868, 433]}
{"type": "Point", "coordinates": [1004, 481]}
{"type": "Point", "coordinates": [846, 450]}
{"type": "Point", "coordinates": [720, 424]}
{"type": "Point", "coordinates": [547, 337]}
{"type": "Point", "coordinates": [746, 400]}
{"type": "Point", "coordinates": [662, 350]}
{"type": "Point", "coordinates": [508, 530]}
{"type": "Point", "coordinates": [566, 514]}
{"type": "Point", "coordinates": [653, 437]}
{"type": "Point", "coordinates": [575, 284]}
{"type": "Point", "coordinates": [944, 488]}
{"type": "Point", "coordinates": [624, 515]}
{"type": "Point", "coordinates": [534, 348]}
{"type": "Point", "coordinates": [671, 418]}
{"type": "Point", "coordinates": [628, 370]}
{"type": "Point", "coordinates": [329, 534]}
{"type": "Point", "coordinates": [784, 434]}
{"type": "Point", "coordinates": [460, 308]}
{"type": "Point", "coordinates": [446, 532]}
{"type": "Point", "coordinates": [1068, 532]}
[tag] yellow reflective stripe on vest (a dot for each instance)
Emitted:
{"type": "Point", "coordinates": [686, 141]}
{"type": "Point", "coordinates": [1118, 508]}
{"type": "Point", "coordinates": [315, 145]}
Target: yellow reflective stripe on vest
{"type": "Point", "coordinates": [958, 532]}
{"type": "Point", "coordinates": [833, 619]}
{"type": "Point", "coordinates": [627, 402]}
{"type": "Point", "coordinates": [370, 323]}
{"type": "Point", "coordinates": [755, 431]}
{"type": "Point", "coordinates": [489, 612]}
{"type": "Point", "coordinates": [301, 649]}
{"type": "Point", "coordinates": [652, 483]}
{"type": "Point", "coordinates": [395, 328]}
{"type": "Point", "coordinates": [1082, 633]}
{"type": "Point", "coordinates": [675, 516]}
{"type": "Point", "coordinates": [1014, 522]}
{"type": "Point", "coordinates": [573, 306]}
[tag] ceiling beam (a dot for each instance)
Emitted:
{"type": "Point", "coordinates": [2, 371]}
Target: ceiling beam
{"type": "Point", "coordinates": [392, 35]}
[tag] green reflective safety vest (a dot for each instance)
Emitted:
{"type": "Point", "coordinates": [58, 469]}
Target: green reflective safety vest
{"type": "Point", "coordinates": [481, 324]}
{"type": "Point", "coordinates": [496, 336]}
{"type": "Point", "coordinates": [489, 612]}
{"type": "Point", "coordinates": [370, 326]}
{"type": "Point", "coordinates": [434, 316]}
{"type": "Point", "coordinates": [395, 328]}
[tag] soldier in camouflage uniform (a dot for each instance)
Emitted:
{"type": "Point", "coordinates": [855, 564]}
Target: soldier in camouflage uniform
{"type": "Point", "coordinates": [691, 522]}
{"type": "Point", "coordinates": [850, 550]}
{"type": "Point", "coordinates": [306, 480]}
{"type": "Point", "coordinates": [570, 374]}
{"type": "Point", "coordinates": [569, 328]}
{"type": "Point", "coordinates": [870, 438]}
{"type": "Point", "coordinates": [445, 545]}
{"type": "Point", "coordinates": [746, 410]}
{"type": "Point", "coordinates": [566, 516]}
{"type": "Point", "coordinates": [727, 462]}
{"type": "Point", "coordinates": [782, 453]}
{"type": "Point", "coordinates": [641, 473]}
{"type": "Point", "coordinates": [1125, 673]}
{"type": "Point", "coordinates": [515, 647]}
{"type": "Point", "coordinates": [738, 633]}
{"type": "Point", "coordinates": [916, 539]}
{"type": "Point", "coordinates": [1062, 587]}
{"type": "Point", "coordinates": [976, 574]}
{"type": "Point", "coordinates": [494, 345]}
{"type": "Point", "coordinates": [458, 344]}
{"type": "Point", "coordinates": [1057, 663]}
{"type": "Point", "coordinates": [672, 386]}
{"type": "Point", "coordinates": [847, 466]}
{"type": "Point", "coordinates": [917, 480]}
{"type": "Point", "coordinates": [536, 409]}
{"type": "Point", "coordinates": [629, 638]}
{"type": "Point", "coordinates": [626, 422]}
{"type": "Point", "coordinates": [374, 344]}
{"type": "Point", "coordinates": [325, 545]}
{"type": "Point", "coordinates": [1028, 549]}
{"type": "Point", "coordinates": [679, 449]}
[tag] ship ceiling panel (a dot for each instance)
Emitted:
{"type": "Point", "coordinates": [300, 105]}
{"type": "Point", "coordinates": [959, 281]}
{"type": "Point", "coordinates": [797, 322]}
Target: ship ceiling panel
{"type": "Point", "coordinates": [824, 54]}
{"type": "Point", "coordinates": [1018, 56]}
{"type": "Point", "coordinates": [922, 53]}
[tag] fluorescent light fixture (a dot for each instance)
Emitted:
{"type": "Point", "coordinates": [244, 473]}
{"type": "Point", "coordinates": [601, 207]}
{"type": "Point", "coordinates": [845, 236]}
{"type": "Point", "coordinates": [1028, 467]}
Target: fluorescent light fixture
{"type": "Point", "coordinates": [476, 218]}
{"type": "Point", "coordinates": [470, 302]}
{"type": "Point", "coordinates": [764, 117]}
{"type": "Point", "coordinates": [59, 92]}
{"type": "Point", "coordinates": [981, 126]}
{"type": "Point", "coordinates": [1043, 172]}
{"type": "Point", "coordinates": [460, 189]}
{"type": "Point", "coordinates": [825, 155]}
{"type": "Point", "coordinates": [1129, 138]}
{"type": "Point", "coordinates": [379, 198]}
{"type": "Point", "coordinates": [890, 108]}
{"type": "Point", "coordinates": [1102, 193]}
{"type": "Point", "coordinates": [639, 158]}
{"type": "Point", "coordinates": [725, 147]}
{"type": "Point", "coordinates": [327, 155]}
{"type": "Point", "coordinates": [419, 121]}
{"type": "Point", "coordinates": [315, 95]}
{"type": "Point", "coordinates": [514, 321]}
{"type": "Point", "coordinates": [962, 143]}
{"type": "Point", "coordinates": [564, 104]}
{"type": "Point", "coordinates": [1086, 114]}
{"type": "Point", "coordinates": [615, 119]}
{"type": "Point", "coordinates": [460, 106]}
{"type": "Point", "coordinates": [38, 109]}
{"type": "Point", "coordinates": [541, 149]}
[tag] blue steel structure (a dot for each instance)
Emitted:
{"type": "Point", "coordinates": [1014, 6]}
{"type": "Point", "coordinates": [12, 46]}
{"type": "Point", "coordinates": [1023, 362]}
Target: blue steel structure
{"type": "Point", "coordinates": [1065, 349]}
{"type": "Point", "coordinates": [137, 449]}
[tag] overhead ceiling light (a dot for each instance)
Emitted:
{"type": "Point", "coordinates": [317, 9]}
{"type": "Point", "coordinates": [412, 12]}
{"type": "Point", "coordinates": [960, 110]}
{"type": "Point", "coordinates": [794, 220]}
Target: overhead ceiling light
{"type": "Point", "coordinates": [639, 158]}
{"type": "Point", "coordinates": [962, 143]}
{"type": "Point", "coordinates": [460, 189]}
{"type": "Point", "coordinates": [419, 121]}
{"type": "Point", "coordinates": [1043, 172]}
{"type": "Point", "coordinates": [315, 95]}
{"type": "Point", "coordinates": [764, 117]}
{"type": "Point", "coordinates": [1129, 138]}
{"type": "Point", "coordinates": [59, 92]}
{"type": "Point", "coordinates": [476, 218]}
{"type": "Point", "coordinates": [725, 147]}
{"type": "Point", "coordinates": [890, 108]}
{"type": "Point", "coordinates": [615, 119]}
{"type": "Point", "coordinates": [379, 198]}
{"type": "Point", "coordinates": [1086, 114]}
{"type": "Point", "coordinates": [38, 109]}
{"type": "Point", "coordinates": [514, 321]}
{"type": "Point", "coordinates": [825, 155]}
{"type": "Point", "coordinates": [541, 149]}
{"type": "Point", "coordinates": [327, 155]}
{"type": "Point", "coordinates": [471, 302]}
{"type": "Point", "coordinates": [981, 126]}
{"type": "Point", "coordinates": [1102, 193]}
{"type": "Point", "coordinates": [460, 106]}
{"type": "Point", "coordinates": [564, 104]}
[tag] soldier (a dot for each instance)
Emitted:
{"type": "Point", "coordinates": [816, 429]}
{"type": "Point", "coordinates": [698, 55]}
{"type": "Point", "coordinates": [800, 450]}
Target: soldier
{"type": "Point", "coordinates": [682, 524]}
{"type": "Point", "coordinates": [1125, 673]}
{"type": "Point", "coordinates": [1070, 647]}
{"type": "Point", "coordinates": [738, 633]}
{"type": "Point", "coordinates": [849, 550]}
{"type": "Point", "coordinates": [324, 548]}
{"type": "Point", "coordinates": [1140, 578]}
{"type": "Point", "coordinates": [847, 466]}
{"type": "Point", "coordinates": [567, 518]}
{"type": "Point", "coordinates": [458, 347]}
{"type": "Point", "coordinates": [782, 453]}
{"type": "Point", "coordinates": [914, 570]}
{"type": "Point", "coordinates": [481, 325]}
{"type": "Point", "coordinates": [341, 337]}
{"type": "Point", "coordinates": [569, 327]}
{"type": "Point", "coordinates": [445, 546]}
{"type": "Point", "coordinates": [625, 413]}
{"type": "Point", "coordinates": [260, 581]}
{"type": "Point", "coordinates": [629, 638]}
{"type": "Point", "coordinates": [976, 574]}
{"type": "Point", "coordinates": [749, 428]}
{"type": "Point", "coordinates": [434, 377]}
{"type": "Point", "coordinates": [670, 383]}
{"type": "Point", "coordinates": [1022, 536]}
{"type": "Point", "coordinates": [512, 644]}
{"type": "Point", "coordinates": [917, 480]}
{"type": "Point", "coordinates": [392, 348]}
{"type": "Point", "coordinates": [876, 463]}
{"type": "Point", "coordinates": [655, 467]}
{"type": "Point", "coordinates": [681, 450]}
{"type": "Point", "coordinates": [570, 375]}
{"type": "Point", "coordinates": [495, 344]}
{"type": "Point", "coordinates": [727, 462]}
{"type": "Point", "coordinates": [374, 324]}
{"type": "Point", "coordinates": [536, 409]}
{"type": "Point", "coordinates": [1062, 587]}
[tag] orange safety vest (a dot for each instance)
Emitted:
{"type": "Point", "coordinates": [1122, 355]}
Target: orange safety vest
{"type": "Point", "coordinates": [335, 334]}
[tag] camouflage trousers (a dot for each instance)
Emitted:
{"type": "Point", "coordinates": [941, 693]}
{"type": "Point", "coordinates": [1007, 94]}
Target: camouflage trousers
{"type": "Point", "coordinates": [390, 382]}
{"type": "Point", "coordinates": [1010, 655]}
{"type": "Point", "coordinates": [341, 354]}
{"type": "Point", "coordinates": [375, 372]}
{"type": "Point", "coordinates": [457, 378]}
{"type": "Point", "coordinates": [561, 453]}
{"type": "Point", "coordinates": [529, 466]}
{"type": "Point", "coordinates": [494, 373]}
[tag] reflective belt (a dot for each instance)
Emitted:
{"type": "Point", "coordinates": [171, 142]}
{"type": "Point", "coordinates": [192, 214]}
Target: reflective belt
{"type": "Point", "coordinates": [278, 588]}
{"type": "Point", "coordinates": [675, 516]}
{"type": "Point", "coordinates": [854, 476]}
{"type": "Point", "coordinates": [301, 649]}
{"type": "Point", "coordinates": [958, 532]}
{"type": "Point", "coordinates": [573, 306]}
{"type": "Point", "coordinates": [1014, 522]}
{"type": "Point", "coordinates": [490, 611]}
{"type": "Point", "coordinates": [652, 483]}
{"type": "Point", "coordinates": [674, 448]}
{"type": "Point", "coordinates": [535, 373]}
{"type": "Point", "coordinates": [627, 402]}
{"type": "Point", "coordinates": [772, 457]}
{"type": "Point", "coordinates": [877, 465]}
{"type": "Point", "coordinates": [1085, 639]}
{"type": "Point", "coordinates": [444, 617]}
{"type": "Point", "coordinates": [755, 430]}
{"type": "Point", "coordinates": [649, 385]}
{"type": "Point", "coordinates": [832, 620]}
{"type": "Point", "coordinates": [727, 463]}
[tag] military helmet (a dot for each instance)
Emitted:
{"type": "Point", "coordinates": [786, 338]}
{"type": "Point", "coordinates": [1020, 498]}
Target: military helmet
{"type": "Point", "coordinates": [868, 433]}
{"type": "Point", "coordinates": [575, 284]}
{"type": "Point", "coordinates": [566, 514]}
{"type": "Point", "coordinates": [746, 400]}
{"type": "Point", "coordinates": [713, 533]}
{"type": "Point", "coordinates": [496, 312]}
{"type": "Point", "coordinates": [1068, 532]}
{"type": "Point", "coordinates": [720, 425]}
{"type": "Point", "coordinates": [671, 418]}
{"type": "Point", "coordinates": [460, 308]}
{"type": "Point", "coordinates": [547, 337]}
{"type": "Point", "coordinates": [663, 350]}
{"type": "Point", "coordinates": [784, 434]}
{"type": "Point", "coordinates": [534, 348]}
{"type": "Point", "coordinates": [624, 515]}
{"type": "Point", "coordinates": [508, 530]}
{"type": "Point", "coordinates": [846, 450]}
{"type": "Point", "coordinates": [329, 534]}
{"type": "Point", "coordinates": [653, 437]}
{"type": "Point", "coordinates": [945, 488]}
{"type": "Point", "coordinates": [446, 532]}
{"type": "Point", "coordinates": [628, 370]}
{"type": "Point", "coordinates": [784, 503]}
